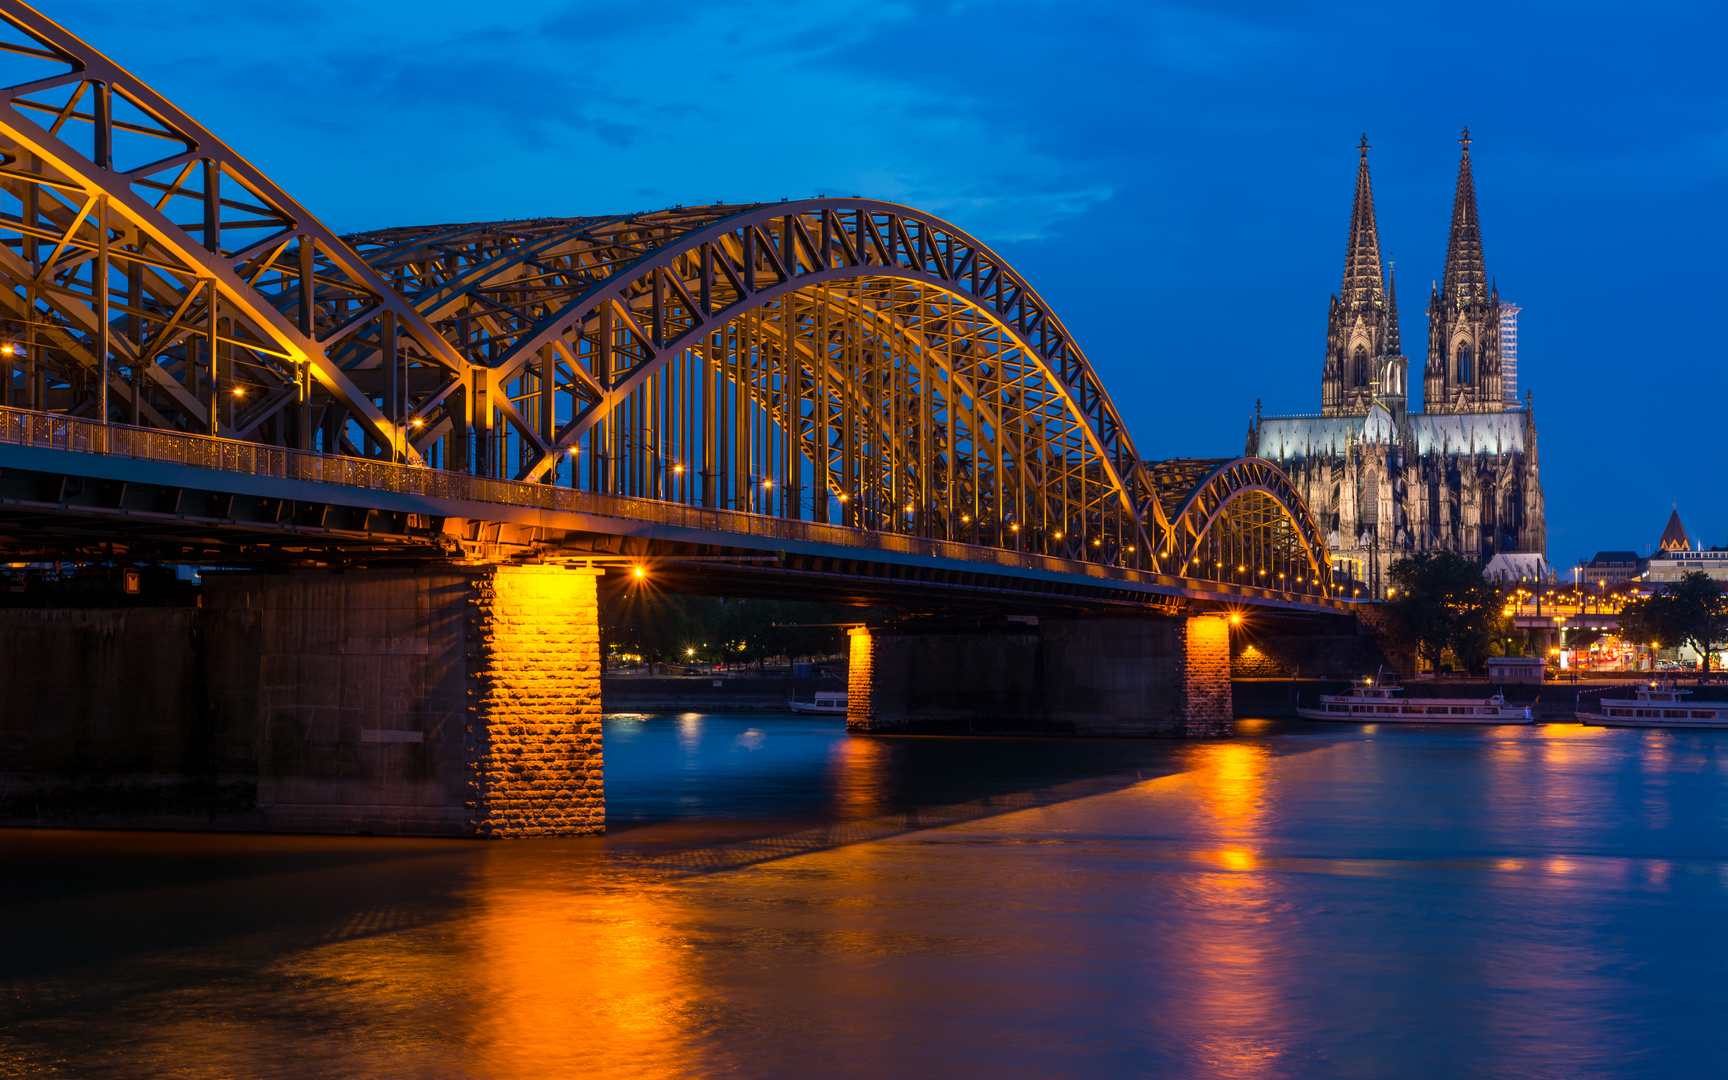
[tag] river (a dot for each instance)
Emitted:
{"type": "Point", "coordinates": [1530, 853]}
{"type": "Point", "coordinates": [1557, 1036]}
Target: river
{"type": "Point", "coordinates": [777, 899]}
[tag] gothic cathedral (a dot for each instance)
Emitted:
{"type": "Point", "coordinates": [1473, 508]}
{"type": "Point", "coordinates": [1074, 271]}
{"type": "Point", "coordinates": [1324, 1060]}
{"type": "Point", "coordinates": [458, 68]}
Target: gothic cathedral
{"type": "Point", "coordinates": [1461, 475]}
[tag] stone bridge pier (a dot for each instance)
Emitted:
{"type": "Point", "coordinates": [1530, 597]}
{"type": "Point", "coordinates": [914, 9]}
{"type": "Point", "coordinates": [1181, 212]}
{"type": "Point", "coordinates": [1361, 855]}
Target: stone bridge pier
{"type": "Point", "coordinates": [1122, 677]}
{"type": "Point", "coordinates": [456, 701]}
{"type": "Point", "coordinates": [459, 702]}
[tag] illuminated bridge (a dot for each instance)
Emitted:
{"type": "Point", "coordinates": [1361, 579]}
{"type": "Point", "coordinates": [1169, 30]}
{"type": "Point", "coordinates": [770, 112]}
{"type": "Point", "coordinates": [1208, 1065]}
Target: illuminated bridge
{"type": "Point", "coordinates": [835, 398]}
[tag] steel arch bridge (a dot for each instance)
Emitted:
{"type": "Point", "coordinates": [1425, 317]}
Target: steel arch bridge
{"type": "Point", "coordinates": [838, 361]}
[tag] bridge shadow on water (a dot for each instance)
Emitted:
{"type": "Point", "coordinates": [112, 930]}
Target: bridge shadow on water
{"type": "Point", "coordinates": [703, 793]}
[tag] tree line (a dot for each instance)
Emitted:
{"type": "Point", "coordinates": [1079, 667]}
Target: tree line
{"type": "Point", "coordinates": [1441, 604]}
{"type": "Point", "coordinates": [666, 628]}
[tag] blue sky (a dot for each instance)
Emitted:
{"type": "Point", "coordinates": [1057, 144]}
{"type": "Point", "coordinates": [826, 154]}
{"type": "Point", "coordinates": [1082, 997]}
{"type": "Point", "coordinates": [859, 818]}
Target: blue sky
{"type": "Point", "coordinates": [1176, 179]}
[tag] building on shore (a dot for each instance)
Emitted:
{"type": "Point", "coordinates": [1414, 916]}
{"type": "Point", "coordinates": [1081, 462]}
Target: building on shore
{"type": "Point", "coordinates": [1518, 568]}
{"type": "Point", "coordinates": [1606, 570]}
{"type": "Point", "coordinates": [1384, 481]}
{"type": "Point", "coordinates": [1678, 556]}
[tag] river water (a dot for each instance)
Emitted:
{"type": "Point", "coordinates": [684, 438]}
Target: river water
{"type": "Point", "coordinates": [778, 899]}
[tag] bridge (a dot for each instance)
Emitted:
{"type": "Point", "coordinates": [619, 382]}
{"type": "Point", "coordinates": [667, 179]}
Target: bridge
{"type": "Point", "coordinates": [834, 398]}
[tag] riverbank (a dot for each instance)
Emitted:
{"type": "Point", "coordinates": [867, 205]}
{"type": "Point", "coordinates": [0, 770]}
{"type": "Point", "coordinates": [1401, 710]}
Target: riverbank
{"type": "Point", "coordinates": [718, 693]}
{"type": "Point", "coordinates": [1549, 702]}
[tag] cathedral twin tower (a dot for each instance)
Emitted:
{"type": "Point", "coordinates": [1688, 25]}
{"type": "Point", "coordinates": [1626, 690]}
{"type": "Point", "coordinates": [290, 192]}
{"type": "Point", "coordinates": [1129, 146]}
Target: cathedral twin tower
{"type": "Point", "coordinates": [1364, 361]}
{"type": "Point", "coordinates": [1383, 481]}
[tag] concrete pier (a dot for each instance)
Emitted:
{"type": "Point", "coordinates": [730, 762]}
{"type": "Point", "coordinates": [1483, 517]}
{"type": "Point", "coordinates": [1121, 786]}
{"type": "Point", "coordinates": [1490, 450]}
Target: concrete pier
{"type": "Point", "coordinates": [1135, 677]}
{"type": "Point", "coordinates": [451, 702]}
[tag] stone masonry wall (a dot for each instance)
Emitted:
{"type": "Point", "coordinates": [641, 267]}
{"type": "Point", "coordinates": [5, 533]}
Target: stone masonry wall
{"type": "Point", "coordinates": [534, 733]}
{"type": "Point", "coordinates": [1204, 671]}
{"type": "Point", "coordinates": [860, 676]}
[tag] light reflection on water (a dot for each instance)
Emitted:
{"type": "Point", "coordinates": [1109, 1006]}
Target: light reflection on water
{"type": "Point", "coordinates": [777, 899]}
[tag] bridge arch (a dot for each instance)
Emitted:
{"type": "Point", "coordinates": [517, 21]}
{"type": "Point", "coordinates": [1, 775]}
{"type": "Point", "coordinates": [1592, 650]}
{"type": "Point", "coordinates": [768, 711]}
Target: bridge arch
{"type": "Point", "coordinates": [1243, 521]}
{"type": "Point", "coordinates": [843, 360]}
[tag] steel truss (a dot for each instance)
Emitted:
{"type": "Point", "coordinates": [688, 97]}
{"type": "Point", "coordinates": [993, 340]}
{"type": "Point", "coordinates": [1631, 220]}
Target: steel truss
{"type": "Point", "coordinates": [832, 360]}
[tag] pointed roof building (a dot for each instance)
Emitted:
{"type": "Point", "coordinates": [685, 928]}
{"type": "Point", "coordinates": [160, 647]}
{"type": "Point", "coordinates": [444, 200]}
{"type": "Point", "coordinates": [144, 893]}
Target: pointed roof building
{"type": "Point", "coordinates": [1674, 537]}
{"type": "Point", "coordinates": [1384, 479]}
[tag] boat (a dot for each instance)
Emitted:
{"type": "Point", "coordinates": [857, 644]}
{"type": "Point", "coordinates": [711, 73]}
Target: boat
{"type": "Point", "coordinates": [827, 703]}
{"type": "Point", "coordinates": [1657, 705]}
{"type": "Point", "coordinates": [1367, 703]}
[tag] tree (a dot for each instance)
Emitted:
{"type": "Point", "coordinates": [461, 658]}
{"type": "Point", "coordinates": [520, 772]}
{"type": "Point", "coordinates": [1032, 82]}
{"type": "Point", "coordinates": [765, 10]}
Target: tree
{"type": "Point", "coordinates": [1443, 601]}
{"type": "Point", "coordinates": [1692, 611]}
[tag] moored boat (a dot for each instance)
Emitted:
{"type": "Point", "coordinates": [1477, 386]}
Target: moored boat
{"type": "Point", "coordinates": [1367, 703]}
{"type": "Point", "coordinates": [1656, 705]}
{"type": "Point", "coordinates": [827, 703]}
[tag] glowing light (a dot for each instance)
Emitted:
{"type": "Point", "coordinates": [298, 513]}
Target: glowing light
{"type": "Point", "coordinates": [239, 391]}
{"type": "Point", "coordinates": [767, 483]}
{"type": "Point", "coordinates": [1058, 536]}
{"type": "Point", "coordinates": [419, 422]}
{"type": "Point", "coordinates": [8, 349]}
{"type": "Point", "coordinates": [680, 469]}
{"type": "Point", "coordinates": [1014, 528]}
{"type": "Point", "coordinates": [1235, 618]}
{"type": "Point", "coordinates": [639, 572]}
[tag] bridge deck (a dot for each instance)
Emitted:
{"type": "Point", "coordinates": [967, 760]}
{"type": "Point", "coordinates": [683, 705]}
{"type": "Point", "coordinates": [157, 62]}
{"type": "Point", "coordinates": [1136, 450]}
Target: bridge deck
{"type": "Point", "coordinates": [422, 512]}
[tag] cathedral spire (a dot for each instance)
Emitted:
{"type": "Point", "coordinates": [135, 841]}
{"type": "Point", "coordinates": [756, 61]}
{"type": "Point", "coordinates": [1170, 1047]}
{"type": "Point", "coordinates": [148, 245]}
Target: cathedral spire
{"type": "Point", "coordinates": [1362, 280]}
{"type": "Point", "coordinates": [1466, 276]}
{"type": "Point", "coordinates": [1393, 347]}
{"type": "Point", "coordinates": [1362, 357]}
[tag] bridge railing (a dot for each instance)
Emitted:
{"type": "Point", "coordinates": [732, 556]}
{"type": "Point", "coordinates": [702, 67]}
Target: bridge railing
{"type": "Point", "coordinates": [57, 431]}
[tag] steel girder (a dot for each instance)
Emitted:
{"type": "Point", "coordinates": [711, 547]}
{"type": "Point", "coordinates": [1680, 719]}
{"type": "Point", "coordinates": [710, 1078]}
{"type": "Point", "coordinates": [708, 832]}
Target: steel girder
{"type": "Point", "coordinates": [838, 359]}
{"type": "Point", "coordinates": [1243, 521]}
{"type": "Point", "coordinates": [150, 273]}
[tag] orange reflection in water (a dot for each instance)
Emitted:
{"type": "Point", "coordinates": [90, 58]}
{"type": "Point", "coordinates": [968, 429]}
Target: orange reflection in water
{"type": "Point", "coordinates": [579, 983]}
{"type": "Point", "coordinates": [1235, 1000]}
{"type": "Point", "coordinates": [1232, 778]}
{"type": "Point", "coordinates": [858, 766]}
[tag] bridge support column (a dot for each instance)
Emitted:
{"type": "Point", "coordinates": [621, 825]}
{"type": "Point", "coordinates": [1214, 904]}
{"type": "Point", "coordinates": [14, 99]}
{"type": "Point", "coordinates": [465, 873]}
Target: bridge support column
{"type": "Point", "coordinates": [533, 742]}
{"type": "Point", "coordinates": [1207, 703]}
{"type": "Point", "coordinates": [453, 701]}
{"type": "Point", "coordinates": [1123, 677]}
{"type": "Point", "coordinates": [457, 702]}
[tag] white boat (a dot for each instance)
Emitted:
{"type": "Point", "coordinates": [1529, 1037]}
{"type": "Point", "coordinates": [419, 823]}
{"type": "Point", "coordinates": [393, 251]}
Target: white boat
{"type": "Point", "coordinates": [1657, 705]}
{"type": "Point", "coordinates": [1367, 703]}
{"type": "Point", "coordinates": [827, 703]}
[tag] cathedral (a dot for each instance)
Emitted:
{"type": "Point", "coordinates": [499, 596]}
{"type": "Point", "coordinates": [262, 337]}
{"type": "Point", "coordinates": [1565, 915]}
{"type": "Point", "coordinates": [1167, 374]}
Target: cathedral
{"type": "Point", "coordinates": [1382, 480]}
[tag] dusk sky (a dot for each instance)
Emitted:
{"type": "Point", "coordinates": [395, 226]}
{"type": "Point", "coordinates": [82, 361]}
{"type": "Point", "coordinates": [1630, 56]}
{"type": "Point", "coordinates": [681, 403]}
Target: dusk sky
{"type": "Point", "coordinates": [1176, 180]}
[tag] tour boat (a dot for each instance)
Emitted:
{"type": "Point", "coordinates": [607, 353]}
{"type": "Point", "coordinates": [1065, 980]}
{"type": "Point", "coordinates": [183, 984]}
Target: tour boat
{"type": "Point", "coordinates": [1657, 705]}
{"type": "Point", "coordinates": [1370, 704]}
{"type": "Point", "coordinates": [827, 703]}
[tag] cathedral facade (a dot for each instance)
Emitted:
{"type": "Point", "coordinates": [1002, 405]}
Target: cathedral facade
{"type": "Point", "coordinates": [1382, 480]}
